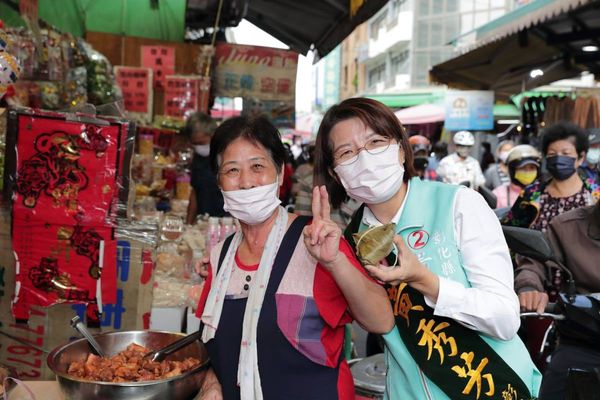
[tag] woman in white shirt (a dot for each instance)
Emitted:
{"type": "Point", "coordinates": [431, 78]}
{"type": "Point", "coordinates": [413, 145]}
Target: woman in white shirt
{"type": "Point", "coordinates": [451, 280]}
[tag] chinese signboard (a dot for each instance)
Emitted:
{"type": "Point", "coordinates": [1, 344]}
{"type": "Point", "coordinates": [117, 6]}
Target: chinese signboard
{"type": "Point", "coordinates": [469, 109]}
{"type": "Point", "coordinates": [331, 81]}
{"type": "Point", "coordinates": [161, 59]}
{"type": "Point", "coordinates": [135, 83]}
{"type": "Point", "coordinates": [181, 95]}
{"type": "Point", "coordinates": [259, 72]}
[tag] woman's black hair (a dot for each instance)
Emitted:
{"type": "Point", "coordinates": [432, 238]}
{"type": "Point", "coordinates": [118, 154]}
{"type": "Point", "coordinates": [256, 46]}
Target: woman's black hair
{"type": "Point", "coordinates": [257, 130]}
{"type": "Point", "coordinates": [564, 130]}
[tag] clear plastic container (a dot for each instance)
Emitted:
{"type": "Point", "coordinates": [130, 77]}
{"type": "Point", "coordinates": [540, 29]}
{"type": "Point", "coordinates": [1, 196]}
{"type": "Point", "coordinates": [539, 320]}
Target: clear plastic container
{"type": "Point", "coordinates": [227, 227]}
{"type": "Point", "coordinates": [213, 235]}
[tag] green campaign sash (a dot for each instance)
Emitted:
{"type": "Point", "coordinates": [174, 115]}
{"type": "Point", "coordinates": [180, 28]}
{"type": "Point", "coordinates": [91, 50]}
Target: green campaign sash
{"type": "Point", "coordinates": [455, 358]}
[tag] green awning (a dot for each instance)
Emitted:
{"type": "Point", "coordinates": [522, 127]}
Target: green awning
{"type": "Point", "coordinates": [165, 21]}
{"type": "Point", "coordinates": [516, 99]}
{"type": "Point", "coordinates": [10, 16]}
{"type": "Point", "coordinates": [506, 111]}
{"type": "Point", "coordinates": [401, 100]}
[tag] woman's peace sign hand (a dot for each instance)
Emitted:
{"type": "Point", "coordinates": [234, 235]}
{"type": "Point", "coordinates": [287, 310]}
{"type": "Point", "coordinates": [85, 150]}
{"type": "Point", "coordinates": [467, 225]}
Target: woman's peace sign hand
{"type": "Point", "coordinates": [322, 237]}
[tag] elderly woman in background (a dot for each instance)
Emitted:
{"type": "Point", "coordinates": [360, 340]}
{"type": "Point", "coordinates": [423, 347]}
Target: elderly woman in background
{"type": "Point", "coordinates": [280, 290]}
{"type": "Point", "coordinates": [497, 173]}
{"type": "Point", "coordinates": [564, 146]}
{"type": "Point", "coordinates": [206, 197]}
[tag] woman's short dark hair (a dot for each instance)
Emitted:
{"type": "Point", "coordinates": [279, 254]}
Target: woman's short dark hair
{"type": "Point", "coordinates": [373, 114]}
{"type": "Point", "coordinates": [257, 130]}
{"type": "Point", "coordinates": [199, 122]}
{"type": "Point", "coordinates": [564, 130]}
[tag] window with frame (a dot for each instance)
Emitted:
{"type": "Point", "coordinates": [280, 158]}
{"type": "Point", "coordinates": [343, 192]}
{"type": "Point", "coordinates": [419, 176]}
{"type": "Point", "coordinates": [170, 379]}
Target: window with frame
{"type": "Point", "coordinates": [377, 24]}
{"type": "Point", "coordinates": [396, 7]}
{"type": "Point", "coordinates": [376, 75]}
{"type": "Point", "coordinates": [399, 63]}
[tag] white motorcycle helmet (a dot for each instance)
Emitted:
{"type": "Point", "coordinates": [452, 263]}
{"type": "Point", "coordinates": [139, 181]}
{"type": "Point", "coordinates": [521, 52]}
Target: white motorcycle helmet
{"type": "Point", "coordinates": [464, 138]}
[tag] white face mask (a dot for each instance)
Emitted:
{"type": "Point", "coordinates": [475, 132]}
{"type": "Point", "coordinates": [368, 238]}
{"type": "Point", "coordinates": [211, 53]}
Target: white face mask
{"type": "Point", "coordinates": [373, 178]}
{"type": "Point", "coordinates": [202, 149]}
{"type": "Point", "coordinates": [463, 151]}
{"type": "Point", "coordinates": [252, 206]}
{"type": "Point", "coordinates": [503, 156]}
{"type": "Point", "coordinates": [593, 156]}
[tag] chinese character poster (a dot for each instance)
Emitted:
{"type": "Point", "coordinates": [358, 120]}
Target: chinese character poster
{"type": "Point", "coordinates": [161, 59]}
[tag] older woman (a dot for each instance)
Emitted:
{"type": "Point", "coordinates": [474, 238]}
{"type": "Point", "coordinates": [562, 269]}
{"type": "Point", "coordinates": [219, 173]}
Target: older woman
{"type": "Point", "coordinates": [280, 290]}
{"type": "Point", "coordinates": [451, 280]}
{"type": "Point", "coordinates": [205, 197]}
{"type": "Point", "coordinates": [564, 146]}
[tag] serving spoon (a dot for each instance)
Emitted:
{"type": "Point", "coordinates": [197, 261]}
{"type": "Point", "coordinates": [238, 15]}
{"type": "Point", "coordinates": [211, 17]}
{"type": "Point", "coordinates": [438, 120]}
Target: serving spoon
{"type": "Point", "coordinates": [78, 325]}
{"type": "Point", "coordinates": [161, 354]}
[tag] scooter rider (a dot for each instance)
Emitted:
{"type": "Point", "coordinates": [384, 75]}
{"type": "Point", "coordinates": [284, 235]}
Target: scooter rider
{"type": "Point", "coordinates": [523, 163]}
{"type": "Point", "coordinates": [421, 147]}
{"type": "Point", "coordinates": [575, 239]}
{"type": "Point", "coordinates": [460, 167]}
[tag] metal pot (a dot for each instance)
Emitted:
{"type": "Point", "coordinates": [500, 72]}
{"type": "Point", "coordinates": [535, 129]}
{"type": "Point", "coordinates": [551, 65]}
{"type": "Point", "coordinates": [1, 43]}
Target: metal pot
{"type": "Point", "coordinates": [182, 387]}
{"type": "Point", "coordinates": [369, 377]}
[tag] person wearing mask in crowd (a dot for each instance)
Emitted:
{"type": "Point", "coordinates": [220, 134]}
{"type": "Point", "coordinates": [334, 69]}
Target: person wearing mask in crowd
{"type": "Point", "coordinates": [279, 291]}
{"type": "Point", "coordinates": [497, 173]}
{"type": "Point", "coordinates": [421, 147]}
{"type": "Point", "coordinates": [575, 239]}
{"type": "Point", "coordinates": [449, 278]}
{"type": "Point", "coordinates": [523, 164]}
{"type": "Point", "coordinates": [487, 158]}
{"type": "Point", "coordinates": [205, 197]}
{"type": "Point", "coordinates": [460, 167]}
{"type": "Point", "coordinates": [591, 166]}
{"type": "Point", "coordinates": [564, 146]}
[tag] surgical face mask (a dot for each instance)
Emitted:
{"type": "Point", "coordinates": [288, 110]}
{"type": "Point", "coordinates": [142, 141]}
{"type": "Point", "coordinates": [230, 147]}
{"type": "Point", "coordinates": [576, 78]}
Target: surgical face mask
{"type": "Point", "coordinates": [463, 151]}
{"type": "Point", "coordinates": [252, 206]}
{"type": "Point", "coordinates": [525, 178]}
{"type": "Point", "coordinates": [202, 149]}
{"type": "Point", "coordinates": [372, 178]}
{"type": "Point", "coordinates": [503, 156]}
{"type": "Point", "coordinates": [561, 167]}
{"type": "Point", "coordinates": [593, 156]}
{"type": "Point", "coordinates": [421, 163]}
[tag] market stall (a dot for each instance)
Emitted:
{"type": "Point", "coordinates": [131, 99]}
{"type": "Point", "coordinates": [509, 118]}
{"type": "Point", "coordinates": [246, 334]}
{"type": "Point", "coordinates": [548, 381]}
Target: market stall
{"type": "Point", "coordinates": [95, 182]}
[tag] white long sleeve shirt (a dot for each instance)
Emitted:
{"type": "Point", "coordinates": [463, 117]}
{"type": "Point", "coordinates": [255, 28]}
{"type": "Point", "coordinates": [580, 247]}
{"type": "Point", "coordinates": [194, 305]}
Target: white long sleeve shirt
{"type": "Point", "coordinates": [490, 305]}
{"type": "Point", "coordinates": [456, 170]}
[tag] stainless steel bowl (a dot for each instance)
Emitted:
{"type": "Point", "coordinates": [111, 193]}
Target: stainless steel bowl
{"type": "Point", "coordinates": [182, 387]}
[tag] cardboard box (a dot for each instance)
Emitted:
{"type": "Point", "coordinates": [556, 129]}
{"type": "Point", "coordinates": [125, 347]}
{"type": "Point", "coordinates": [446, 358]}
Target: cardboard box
{"type": "Point", "coordinates": [167, 319]}
{"type": "Point", "coordinates": [192, 322]}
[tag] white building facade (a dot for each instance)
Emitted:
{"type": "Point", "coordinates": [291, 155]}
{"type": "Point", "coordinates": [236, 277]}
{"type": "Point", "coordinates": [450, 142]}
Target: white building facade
{"type": "Point", "coordinates": [408, 37]}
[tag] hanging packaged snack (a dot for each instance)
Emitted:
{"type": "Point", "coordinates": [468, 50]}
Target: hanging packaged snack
{"type": "Point", "coordinates": [75, 93]}
{"type": "Point", "coordinates": [50, 95]}
{"type": "Point", "coordinates": [101, 85]}
{"type": "Point", "coordinates": [23, 48]}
